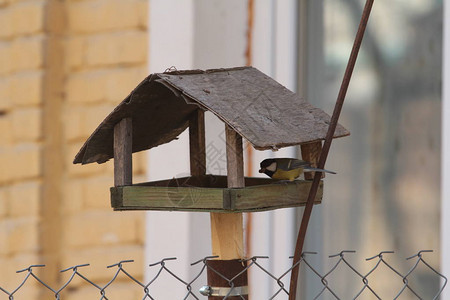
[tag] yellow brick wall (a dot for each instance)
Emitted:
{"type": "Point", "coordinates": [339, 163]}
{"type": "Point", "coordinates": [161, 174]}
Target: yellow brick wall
{"type": "Point", "coordinates": [49, 105]}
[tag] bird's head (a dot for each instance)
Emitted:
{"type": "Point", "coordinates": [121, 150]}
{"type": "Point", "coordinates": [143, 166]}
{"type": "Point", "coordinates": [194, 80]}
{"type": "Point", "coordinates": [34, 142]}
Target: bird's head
{"type": "Point", "coordinates": [268, 164]}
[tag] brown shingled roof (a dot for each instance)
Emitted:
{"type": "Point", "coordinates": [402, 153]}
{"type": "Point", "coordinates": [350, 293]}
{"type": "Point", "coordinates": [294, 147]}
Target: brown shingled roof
{"type": "Point", "coordinates": [260, 109]}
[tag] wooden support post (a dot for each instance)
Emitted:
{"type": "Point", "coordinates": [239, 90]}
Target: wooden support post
{"type": "Point", "coordinates": [227, 228]}
{"type": "Point", "coordinates": [197, 143]}
{"type": "Point", "coordinates": [311, 153]}
{"type": "Point", "coordinates": [123, 143]}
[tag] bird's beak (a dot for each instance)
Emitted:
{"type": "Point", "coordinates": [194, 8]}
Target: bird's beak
{"type": "Point", "coordinates": [262, 170]}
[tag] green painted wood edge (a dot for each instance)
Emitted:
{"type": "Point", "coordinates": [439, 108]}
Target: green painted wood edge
{"type": "Point", "coordinates": [249, 199]}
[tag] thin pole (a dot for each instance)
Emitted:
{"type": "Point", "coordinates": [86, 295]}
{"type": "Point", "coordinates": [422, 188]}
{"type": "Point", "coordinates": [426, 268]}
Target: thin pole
{"type": "Point", "coordinates": [326, 147]}
{"type": "Point", "coordinates": [248, 146]}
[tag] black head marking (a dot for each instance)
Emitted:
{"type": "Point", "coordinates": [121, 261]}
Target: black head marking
{"type": "Point", "coordinates": [267, 162]}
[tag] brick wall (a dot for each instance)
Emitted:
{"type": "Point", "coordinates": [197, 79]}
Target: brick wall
{"type": "Point", "coordinates": [64, 65]}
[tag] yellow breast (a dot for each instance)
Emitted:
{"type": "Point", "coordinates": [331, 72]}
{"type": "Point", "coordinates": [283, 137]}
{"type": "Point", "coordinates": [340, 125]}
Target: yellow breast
{"type": "Point", "coordinates": [287, 175]}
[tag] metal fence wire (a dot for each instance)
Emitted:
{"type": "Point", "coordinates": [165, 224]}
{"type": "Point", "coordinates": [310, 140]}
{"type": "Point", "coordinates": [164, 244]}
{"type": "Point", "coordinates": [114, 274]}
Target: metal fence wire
{"type": "Point", "coordinates": [340, 262]}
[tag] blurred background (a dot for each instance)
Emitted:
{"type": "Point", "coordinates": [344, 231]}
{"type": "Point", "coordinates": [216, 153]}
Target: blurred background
{"type": "Point", "coordinates": [64, 65]}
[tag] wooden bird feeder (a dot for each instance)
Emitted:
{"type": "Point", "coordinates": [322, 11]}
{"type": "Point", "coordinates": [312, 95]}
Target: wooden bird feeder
{"type": "Point", "coordinates": [251, 104]}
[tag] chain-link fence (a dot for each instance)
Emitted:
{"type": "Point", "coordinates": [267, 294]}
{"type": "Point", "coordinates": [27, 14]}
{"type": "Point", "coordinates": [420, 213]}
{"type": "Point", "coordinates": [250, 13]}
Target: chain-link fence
{"type": "Point", "coordinates": [254, 264]}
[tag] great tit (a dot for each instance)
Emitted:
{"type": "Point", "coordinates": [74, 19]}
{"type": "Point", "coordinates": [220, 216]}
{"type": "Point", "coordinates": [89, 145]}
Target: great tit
{"type": "Point", "coordinates": [286, 168]}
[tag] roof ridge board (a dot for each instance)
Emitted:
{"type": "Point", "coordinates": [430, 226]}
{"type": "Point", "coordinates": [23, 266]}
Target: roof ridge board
{"type": "Point", "coordinates": [199, 71]}
{"type": "Point", "coordinates": [182, 72]}
{"type": "Point", "coordinates": [227, 69]}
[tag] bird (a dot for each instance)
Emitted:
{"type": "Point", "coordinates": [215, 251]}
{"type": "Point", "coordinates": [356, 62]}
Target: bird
{"type": "Point", "coordinates": [287, 168]}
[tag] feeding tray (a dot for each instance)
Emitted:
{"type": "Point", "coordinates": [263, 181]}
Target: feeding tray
{"type": "Point", "coordinates": [210, 193]}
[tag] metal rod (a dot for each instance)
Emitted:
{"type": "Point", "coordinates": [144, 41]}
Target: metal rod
{"type": "Point", "coordinates": [326, 147]}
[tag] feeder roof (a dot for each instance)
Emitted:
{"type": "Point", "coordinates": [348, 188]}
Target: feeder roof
{"type": "Point", "coordinates": [257, 107]}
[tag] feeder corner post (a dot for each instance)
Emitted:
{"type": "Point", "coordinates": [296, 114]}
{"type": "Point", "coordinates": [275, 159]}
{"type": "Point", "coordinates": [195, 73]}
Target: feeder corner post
{"type": "Point", "coordinates": [197, 151]}
{"type": "Point", "coordinates": [311, 153]}
{"type": "Point", "coordinates": [123, 150]}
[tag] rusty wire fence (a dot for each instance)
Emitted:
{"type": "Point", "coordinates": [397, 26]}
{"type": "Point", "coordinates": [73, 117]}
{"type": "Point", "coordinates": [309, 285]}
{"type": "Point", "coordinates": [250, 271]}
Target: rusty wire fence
{"type": "Point", "coordinates": [327, 290]}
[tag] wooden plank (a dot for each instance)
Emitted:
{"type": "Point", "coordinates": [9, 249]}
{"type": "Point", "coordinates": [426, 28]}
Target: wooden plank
{"type": "Point", "coordinates": [123, 143]}
{"type": "Point", "coordinates": [311, 153]}
{"type": "Point", "coordinates": [227, 234]}
{"type": "Point", "coordinates": [249, 199]}
{"type": "Point", "coordinates": [197, 142]}
{"type": "Point", "coordinates": [273, 196]}
{"type": "Point", "coordinates": [170, 198]}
